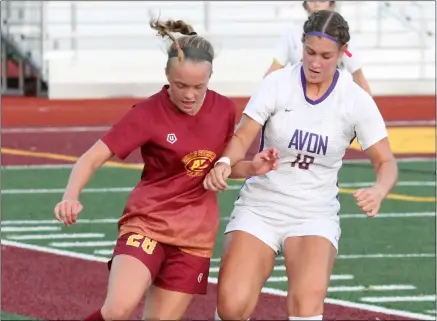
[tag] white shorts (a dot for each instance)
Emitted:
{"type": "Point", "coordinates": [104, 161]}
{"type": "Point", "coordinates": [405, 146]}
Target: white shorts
{"type": "Point", "coordinates": [274, 232]}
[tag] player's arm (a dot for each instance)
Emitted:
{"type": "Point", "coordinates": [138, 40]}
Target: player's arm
{"type": "Point", "coordinates": [259, 108]}
{"type": "Point", "coordinates": [355, 66]}
{"type": "Point", "coordinates": [242, 169]}
{"type": "Point", "coordinates": [281, 54]}
{"type": "Point", "coordinates": [384, 164]}
{"type": "Point", "coordinates": [85, 167]}
{"type": "Point", "coordinates": [372, 136]}
{"type": "Point", "coordinates": [276, 65]}
{"type": "Point", "coordinates": [124, 137]}
{"type": "Point", "coordinates": [360, 79]}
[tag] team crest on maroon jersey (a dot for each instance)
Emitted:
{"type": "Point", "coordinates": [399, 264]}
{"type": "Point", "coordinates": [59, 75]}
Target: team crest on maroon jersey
{"type": "Point", "coordinates": [197, 162]}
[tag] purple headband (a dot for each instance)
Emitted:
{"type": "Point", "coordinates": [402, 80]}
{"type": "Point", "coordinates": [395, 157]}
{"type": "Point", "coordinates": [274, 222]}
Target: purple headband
{"type": "Point", "coordinates": [325, 35]}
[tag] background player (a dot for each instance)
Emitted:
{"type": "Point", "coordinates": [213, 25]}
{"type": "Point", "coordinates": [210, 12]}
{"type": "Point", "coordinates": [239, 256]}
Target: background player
{"type": "Point", "coordinates": [289, 48]}
{"type": "Point", "coordinates": [169, 224]}
{"type": "Point", "coordinates": [310, 112]}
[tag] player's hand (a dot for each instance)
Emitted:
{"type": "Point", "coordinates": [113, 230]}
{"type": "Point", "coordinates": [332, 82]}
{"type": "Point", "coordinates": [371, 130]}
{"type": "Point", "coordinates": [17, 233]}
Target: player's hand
{"type": "Point", "coordinates": [67, 210]}
{"type": "Point", "coordinates": [369, 200]}
{"type": "Point", "coordinates": [215, 180]}
{"type": "Point", "coordinates": [265, 161]}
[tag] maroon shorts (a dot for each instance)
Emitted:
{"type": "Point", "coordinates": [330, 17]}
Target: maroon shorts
{"type": "Point", "coordinates": [171, 269]}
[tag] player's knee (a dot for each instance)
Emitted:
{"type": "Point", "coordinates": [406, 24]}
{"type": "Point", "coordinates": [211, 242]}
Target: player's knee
{"type": "Point", "coordinates": [119, 311]}
{"type": "Point", "coordinates": [233, 306]}
{"type": "Point", "coordinates": [307, 302]}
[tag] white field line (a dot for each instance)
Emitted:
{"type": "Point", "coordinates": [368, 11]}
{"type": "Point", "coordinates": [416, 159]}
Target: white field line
{"type": "Point", "coordinates": [389, 215]}
{"type": "Point", "coordinates": [402, 183]}
{"type": "Point", "coordinates": [54, 221]}
{"type": "Point", "coordinates": [413, 298]}
{"type": "Point", "coordinates": [129, 189]}
{"type": "Point", "coordinates": [69, 166]}
{"type": "Point", "coordinates": [277, 279]}
{"type": "Point", "coordinates": [29, 228]}
{"type": "Point", "coordinates": [115, 220]}
{"type": "Point", "coordinates": [365, 256]}
{"type": "Point", "coordinates": [39, 130]}
{"type": "Point", "coordinates": [72, 129]}
{"type": "Point", "coordinates": [362, 288]}
{"type": "Point", "coordinates": [85, 190]}
{"type": "Point", "coordinates": [85, 244]}
{"type": "Point", "coordinates": [216, 269]}
{"type": "Point", "coordinates": [349, 304]}
{"type": "Point", "coordinates": [55, 236]}
{"type": "Point", "coordinates": [343, 303]}
{"type": "Point", "coordinates": [430, 311]}
{"type": "Point", "coordinates": [104, 252]}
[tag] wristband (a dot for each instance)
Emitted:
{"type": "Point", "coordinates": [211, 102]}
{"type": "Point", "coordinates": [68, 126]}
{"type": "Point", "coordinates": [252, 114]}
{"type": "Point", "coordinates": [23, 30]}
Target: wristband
{"type": "Point", "coordinates": [225, 160]}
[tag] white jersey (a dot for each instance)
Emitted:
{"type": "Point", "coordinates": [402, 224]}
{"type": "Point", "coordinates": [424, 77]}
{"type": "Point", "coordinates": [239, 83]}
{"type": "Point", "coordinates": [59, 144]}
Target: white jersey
{"type": "Point", "coordinates": [289, 49]}
{"type": "Point", "coordinates": [312, 137]}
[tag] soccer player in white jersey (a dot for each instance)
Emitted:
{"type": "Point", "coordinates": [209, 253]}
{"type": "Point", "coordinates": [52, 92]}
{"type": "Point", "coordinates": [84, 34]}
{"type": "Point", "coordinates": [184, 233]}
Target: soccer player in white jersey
{"type": "Point", "coordinates": [289, 48]}
{"type": "Point", "coordinates": [308, 113]}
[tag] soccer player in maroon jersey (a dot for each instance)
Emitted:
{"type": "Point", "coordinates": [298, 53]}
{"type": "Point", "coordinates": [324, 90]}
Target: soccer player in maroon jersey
{"type": "Point", "coordinates": [170, 222]}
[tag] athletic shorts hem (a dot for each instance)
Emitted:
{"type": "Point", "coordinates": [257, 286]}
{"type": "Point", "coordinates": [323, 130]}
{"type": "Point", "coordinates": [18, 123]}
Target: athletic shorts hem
{"type": "Point", "coordinates": [186, 290]}
{"type": "Point", "coordinates": [269, 244]}
{"type": "Point", "coordinates": [330, 239]}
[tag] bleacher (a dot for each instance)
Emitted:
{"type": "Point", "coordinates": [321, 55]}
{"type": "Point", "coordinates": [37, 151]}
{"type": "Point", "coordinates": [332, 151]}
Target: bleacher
{"type": "Point", "coordinates": [88, 49]}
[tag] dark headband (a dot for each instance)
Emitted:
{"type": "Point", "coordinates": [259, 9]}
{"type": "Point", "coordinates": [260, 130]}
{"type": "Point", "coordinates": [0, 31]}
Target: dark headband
{"type": "Point", "coordinates": [193, 53]}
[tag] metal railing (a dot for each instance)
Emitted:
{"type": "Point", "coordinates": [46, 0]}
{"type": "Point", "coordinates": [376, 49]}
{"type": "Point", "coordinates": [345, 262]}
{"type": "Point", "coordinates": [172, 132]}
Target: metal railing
{"type": "Point", "coordinates": [42, 35]}
{"type": "Point", "coordinates": [23, 48]}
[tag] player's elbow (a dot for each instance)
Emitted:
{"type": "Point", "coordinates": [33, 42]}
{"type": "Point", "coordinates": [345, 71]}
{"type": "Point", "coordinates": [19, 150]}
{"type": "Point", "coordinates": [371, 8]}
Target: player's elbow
{"type": "Point", "coordinates": [273, 67]}
{"type": "Point", "coordinates": [360, 80]}
{"type": "Point", "coordinates": [96, 156]}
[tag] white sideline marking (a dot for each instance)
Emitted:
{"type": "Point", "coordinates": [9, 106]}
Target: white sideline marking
{"type": "Point", "coordinates": [62, 190]}
{"type": "Point", "coordinates": [83, 244]}
{"type": "Point", "coordinates": [383, 256]}
{"type": "Point", "coordinates": [362, 288]}
{"type": "Point", "coordinates": [29, 228]}
{"type": "Point", "coordinates": [413, 298]}
{"type": "Point", "coordinates": [69, 166]}
{"type": "Point", "coordinates": [364, 256]}
{"type": "Point", "coordinates": [73, 129]}
{"type": "Point", "coordinates": [38, 130]}
{"type": "Point", "coordinates": [104, 252]}
{"type": "Point", "coordinates": [55, 236]}
{"type": "Point", "coordinates": [349, 304]}
{"type": "Point", "coordinates": [430, 311]}
{"type": "Point", "coordinates": [129, 189]}
{"type": "Point", "coordinates": [54, 221]}
{"type": "Point", "coordinates": [115, 220]}
{"type": "Point", "coordinates": [85, 190]}
{"type": "Point", "coordinates": [216, 269]}
{"type": "Point", "coordinates": [389, 215]}
{"type": "Point", "coordinates": [402, 183]}
{"type": "Point", "coordinates": [343, 303]}
{"type": "Point", "coordinates": [276, 279]}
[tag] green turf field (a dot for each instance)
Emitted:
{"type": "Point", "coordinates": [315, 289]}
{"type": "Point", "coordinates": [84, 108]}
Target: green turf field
{"type": "Point", "coordinates": [387, 261]}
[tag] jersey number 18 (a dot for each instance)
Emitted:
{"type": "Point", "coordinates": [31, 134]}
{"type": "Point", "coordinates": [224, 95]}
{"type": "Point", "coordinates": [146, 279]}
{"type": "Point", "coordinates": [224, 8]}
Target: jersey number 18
{"type": "Point", "coordinates": [303, 162]}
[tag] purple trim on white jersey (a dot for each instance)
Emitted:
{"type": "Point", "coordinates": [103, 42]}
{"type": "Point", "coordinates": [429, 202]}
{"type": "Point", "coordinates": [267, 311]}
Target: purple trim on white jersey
{"type": "Point", "coordinates": [325, 95]}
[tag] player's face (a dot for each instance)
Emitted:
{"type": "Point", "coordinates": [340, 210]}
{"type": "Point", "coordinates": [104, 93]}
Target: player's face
{"type": "Point", "coordinates": [320, 58]}
{"type": "Point", "coordinates": [188, 84]}
{"type": "Point", "coordinates": [313, 6]}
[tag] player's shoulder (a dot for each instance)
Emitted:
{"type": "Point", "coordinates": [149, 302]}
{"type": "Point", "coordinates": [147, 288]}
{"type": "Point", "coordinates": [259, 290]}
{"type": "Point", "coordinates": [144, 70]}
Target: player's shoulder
{"type": "Point", "coordinates": [225, 103]}
{"type": "Point", "coordinates": [284, 76]}
{"type": "Point", "coordinates": [353, 93]}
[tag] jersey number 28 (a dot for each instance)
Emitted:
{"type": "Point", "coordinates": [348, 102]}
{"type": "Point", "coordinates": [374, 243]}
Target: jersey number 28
{"type": "Point", "coordinates": [303, 162]}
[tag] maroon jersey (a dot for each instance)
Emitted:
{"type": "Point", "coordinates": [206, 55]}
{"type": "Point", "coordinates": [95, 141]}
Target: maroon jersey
{"type": "Point", "coordinates": [169, 204]}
